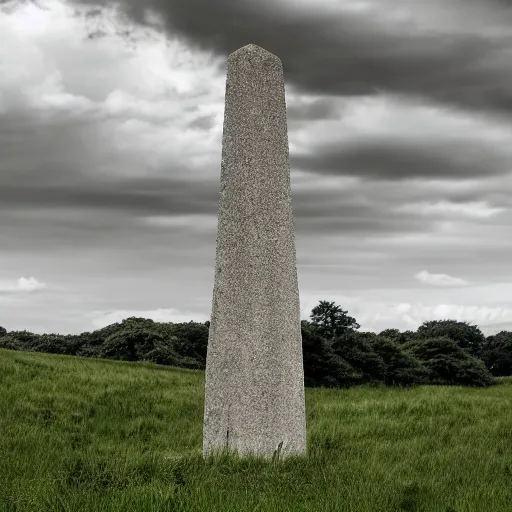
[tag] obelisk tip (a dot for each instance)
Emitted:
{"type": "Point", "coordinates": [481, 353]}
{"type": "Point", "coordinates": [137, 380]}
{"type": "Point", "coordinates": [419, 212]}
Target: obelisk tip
{"type": "Point", "coordinates": [251, 49]}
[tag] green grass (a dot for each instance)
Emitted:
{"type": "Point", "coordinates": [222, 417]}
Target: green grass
{"type": "Point", "coordinates": [80, 434]}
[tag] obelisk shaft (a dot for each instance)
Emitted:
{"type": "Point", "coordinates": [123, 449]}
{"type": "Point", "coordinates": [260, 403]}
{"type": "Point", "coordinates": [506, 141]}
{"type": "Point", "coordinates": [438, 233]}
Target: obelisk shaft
{"type": "Point", "coordinates": [254, 389]}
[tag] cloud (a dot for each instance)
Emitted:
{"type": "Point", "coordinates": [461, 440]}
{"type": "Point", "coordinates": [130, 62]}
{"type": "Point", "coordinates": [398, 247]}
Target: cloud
{"type": "Point", "coordinates": [413, 49]}
{"type": "Point", "coordinates": [375, 315]}
{"type": "Point", "coordinates": [483, 316]}
{"type": "Point", "coordinates": [30, 284]}
{"type": "Point", "coordinates": [22, 285]}
{"type": "Point", "coordinates": [102, 319]}
{"type": "Point", "coordinates": [109, 153]}
{"type": "Point", "coordinates": [187, 222]}
{"type": "Point", "coordinates": [401, 159]}
{"type": "Point", "coordinates": [425, 277]}
{"type": "Point", "coordinates": [391, 138]}
{"type": "Point", "coordinates": [475, 209]}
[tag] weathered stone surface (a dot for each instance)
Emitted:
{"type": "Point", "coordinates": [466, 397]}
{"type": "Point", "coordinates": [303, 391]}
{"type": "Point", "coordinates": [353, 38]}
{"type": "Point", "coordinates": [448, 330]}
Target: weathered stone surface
{"type": "Point", "coordinates": [254, 390]}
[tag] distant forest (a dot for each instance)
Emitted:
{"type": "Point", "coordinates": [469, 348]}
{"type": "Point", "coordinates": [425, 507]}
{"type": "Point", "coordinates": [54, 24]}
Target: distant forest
{"type": "Point", "coordinates": [335, 353]}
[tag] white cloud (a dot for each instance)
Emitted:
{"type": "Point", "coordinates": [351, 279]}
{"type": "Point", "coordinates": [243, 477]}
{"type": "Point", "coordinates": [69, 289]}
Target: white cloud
{"type": "Point", "coordinates": [188, 222]}
{"type": "Point", "coordinates": [30, 284]}
{"type": "Point", "coordinates": [474, 209]}
{"type": "Point", "coordinates": [395, 118]}
{"type": "Point", "coordinates": [102, 319]}
{"type": "Point", "coordinates": [22, 285]}
{"type": "Point", "coordinates": [372, 316]}
{"type": "Point", "coordinates": [377, 316]}
{"type": "Point", "coordinates": [145, 117]}
{"type": "Point", "coordinates": [426, 277]}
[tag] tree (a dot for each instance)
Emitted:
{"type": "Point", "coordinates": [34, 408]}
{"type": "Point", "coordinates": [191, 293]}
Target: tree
{"type": "Point", "coordinates": [322, 367]}
{"type": "Point", "coordinates": [25, 337]}
{"type": "Point", "coordinates": [330, 320]}
{"type": "Point", "coordinates": [396, 335]}
{"type": "Point", "coordinates": [3, 331]}
{"type": "Point", "coordinates": [496, 353]}
{"type": "Point", "coordinates": [10, 343]}
{"type": "Point", "coordinates": [367, 335]}
{"type": "Point", "coordinates": [392, 334]}
{"type": "Point", "coordinates": [448, 363]}
{"type": "Point", "coordinates": [192, 340]}
{"type": "Point", "coordinates": [164, 354]}
{"type": "Point", "coordinates": [468, 337]}
{"type": "Point", "coordinates": [407, 336]}
{"type": "Point", "coordinates": [357, 350]}
{"type": "Point", "coordinates": [401, 367]}
{"type": "Point", "coordinates": [131, 343]}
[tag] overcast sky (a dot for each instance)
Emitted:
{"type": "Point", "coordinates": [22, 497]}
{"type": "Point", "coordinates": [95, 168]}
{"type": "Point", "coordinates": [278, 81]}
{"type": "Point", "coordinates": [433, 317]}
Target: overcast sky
{"type": "Point", "coordinates": [400, 132]}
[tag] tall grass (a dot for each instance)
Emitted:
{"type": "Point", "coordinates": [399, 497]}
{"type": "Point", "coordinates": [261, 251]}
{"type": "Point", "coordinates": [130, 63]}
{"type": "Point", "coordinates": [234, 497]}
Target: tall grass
{"type": "Point", "coordinates": [80, 434]}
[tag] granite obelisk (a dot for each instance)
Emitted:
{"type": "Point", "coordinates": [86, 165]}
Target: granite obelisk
{"type": "Point", "coordinates": [254, 389]}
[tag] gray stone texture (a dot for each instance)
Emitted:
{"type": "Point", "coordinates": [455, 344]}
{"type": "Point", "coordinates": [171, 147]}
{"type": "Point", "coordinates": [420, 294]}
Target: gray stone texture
{"type": "Point", "coordinates": [254, 389]}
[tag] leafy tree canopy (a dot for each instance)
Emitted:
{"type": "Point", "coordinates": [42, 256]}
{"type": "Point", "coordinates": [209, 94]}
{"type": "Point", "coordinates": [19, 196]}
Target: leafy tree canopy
{"type": "Point", "coordinates": [466, 336]}
{"type": "Point", "coordinates": [330, 320]}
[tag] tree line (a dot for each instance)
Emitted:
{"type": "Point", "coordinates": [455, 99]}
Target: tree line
{"type": "Point", "coordinates": [335, 353]}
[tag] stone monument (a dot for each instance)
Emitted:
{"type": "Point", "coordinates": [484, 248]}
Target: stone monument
{"type": "Point", "coordinates": [254, 388]}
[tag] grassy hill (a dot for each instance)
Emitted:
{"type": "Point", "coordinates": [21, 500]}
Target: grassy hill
{"type": "Point", "coordinates": [79, 434]}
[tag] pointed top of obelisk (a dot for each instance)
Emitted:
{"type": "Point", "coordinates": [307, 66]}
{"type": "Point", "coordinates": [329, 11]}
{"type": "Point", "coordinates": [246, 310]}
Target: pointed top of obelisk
{"type": "Point", "coordinates": [252, 49]}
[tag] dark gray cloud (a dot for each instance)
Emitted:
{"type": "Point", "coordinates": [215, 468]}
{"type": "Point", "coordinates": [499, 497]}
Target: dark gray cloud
{"type": "Point", "coordinates": [52, 164]}
{"type": "Point", "coordinates": [352, 53]}
{"type": "Point", "coordinates": [319, 109]}
{"type": "Point", "coordinates": [400, 159]}
{"type": "Point", "coordinates": [53, 167]}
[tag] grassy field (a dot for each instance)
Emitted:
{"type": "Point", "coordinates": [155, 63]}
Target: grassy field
{"type": "Point", "coordinates": [89, 435]}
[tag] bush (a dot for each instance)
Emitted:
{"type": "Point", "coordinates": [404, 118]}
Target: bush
{"type": "Point", "coordinates": [496, 353]}
{"type": "Point", "coordinates": [9, 342]}
{"type": "Point", "coordinates": [357, 350]}
{"type": "Point", "coordinates": [162, 353]}
{"type": "Point", "coordinates": [401, 367]}
{"type": "Point", "coordinates": [399, 337]}
{"type": "Point", "coordinates": [466, 336]}
{"type": "Point", "coordinates": [191, 340]}
{"type": "Point", "coordinates": [322, 367]}
{"type": "Point", "coordinates": [448, 363]}
{"type": "Point", "coordinates": [131, 344]}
